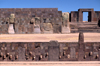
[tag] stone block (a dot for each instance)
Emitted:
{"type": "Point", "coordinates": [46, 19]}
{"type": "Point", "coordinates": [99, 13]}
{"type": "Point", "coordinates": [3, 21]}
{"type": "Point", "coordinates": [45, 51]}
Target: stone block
{"type": "Point", "coordinates": [53, 51]}
{"type": "Point", "coordinates": [65, 30]}
{"type": "Point", "coordinates": [21, 54]}
{"type": "Point", "coordinates": [11, 29]}
{"type": "Point", "coordinates": [37, 29]}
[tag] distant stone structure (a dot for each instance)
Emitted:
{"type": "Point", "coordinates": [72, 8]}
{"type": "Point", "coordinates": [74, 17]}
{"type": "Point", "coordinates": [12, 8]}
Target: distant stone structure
{"type": "Point", "coordinates": [77, 24]}
{"type": "Point", "coordinates": [77, 16]}
{"type": "Point", "coordinates": [47, 20]}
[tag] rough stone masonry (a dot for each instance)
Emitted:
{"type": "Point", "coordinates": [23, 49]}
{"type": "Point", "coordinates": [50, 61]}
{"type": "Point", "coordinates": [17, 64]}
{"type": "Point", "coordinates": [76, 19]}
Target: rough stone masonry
{"type": "Point", "coordinates": [50, 51]}
{"type": "Point", "coordinates": [47, 20]}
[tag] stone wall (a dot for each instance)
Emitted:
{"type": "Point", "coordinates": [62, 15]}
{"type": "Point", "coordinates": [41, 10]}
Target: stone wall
{"type": "Point", "coordinates": [50, 51]}
{"type": "Point", "coordinates": [41, 51]}
{"type": "Point", "coordinates": [23, 17]}
{"type": "Point", "coordinates": [47, 20]}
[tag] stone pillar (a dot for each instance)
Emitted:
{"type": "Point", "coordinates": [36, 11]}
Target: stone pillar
{"type": "Point", "coordinates": [72, 17]}
{"type": "Point", "coordinates": [53, 50]}
{"type": "Point", "coordinates": [72, 52]}
{"type": "Point", "coordinates": [81, 38]}
{"type": "Point", "coordinates": [81, 46]}
{"type": "Point", "coordinates": [37, 25]}
{"type": "Point", "coordinates": [92, 16]}
{"type": "Point", "coordinates": [65, 26]}
{"type": "Point", "coordinates": [80, 16]}
{"type": "Point", "coordinates": [11, 29]}
{"type": "Point", "coordinates": [21, 54]}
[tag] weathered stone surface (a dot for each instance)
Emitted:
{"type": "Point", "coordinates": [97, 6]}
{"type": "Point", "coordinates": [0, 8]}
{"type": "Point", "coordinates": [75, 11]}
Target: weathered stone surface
{"type": "Point", "coordinates": [47, 28]}
{"type": "Point", "coordinates": [11, 29]}
{"type": "Point", "coordinates": [65, 25]}
{"type": "Point", "coordinates": [65, 18]}
{"type": "Point", "coordinates": [32, 20]}
{"type": "Point", "coordinates": [65, 30]}
{"type": "Point", "coordinates": [72, 52]}
{"type": "Point", "coordinates": [81, 38]}
{"type": "Point", "coordinates": [49, 51]}
{"type": "Point", "coordinates": [53, 50]}
{"type": "Point", "coordinates": [37, 29]}
{"type": "Point", "coordinates": [24, 18]}
{"type": "Point", "coordinates": [12, 18]}
{"type": "Point", "coordinates": [81, 46]}
{"type": "Point", "coordinates": [21, 54]}
{"type": "Point", "coordinates": [37, 20]}
{"type": "Point", "coordinates": [56, 28]}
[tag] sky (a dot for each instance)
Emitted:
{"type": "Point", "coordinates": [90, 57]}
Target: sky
{"type": "Point", "coordinates": [62, 5]}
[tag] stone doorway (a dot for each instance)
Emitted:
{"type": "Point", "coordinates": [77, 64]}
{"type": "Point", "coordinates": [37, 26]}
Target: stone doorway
{"type": "Point", "coordinates": [86, 16]}
{"type": "Point", "coordinates": [90, 14]}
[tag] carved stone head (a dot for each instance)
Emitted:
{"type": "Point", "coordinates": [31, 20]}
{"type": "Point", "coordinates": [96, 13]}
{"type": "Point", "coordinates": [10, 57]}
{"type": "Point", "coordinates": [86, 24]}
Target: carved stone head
{"type": "Point", "coordinates": [12, 15]}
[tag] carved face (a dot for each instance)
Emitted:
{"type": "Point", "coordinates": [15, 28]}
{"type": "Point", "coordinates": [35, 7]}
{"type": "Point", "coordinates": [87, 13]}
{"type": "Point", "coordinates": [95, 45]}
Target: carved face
{"type": "Point", "coordinates": [65, 15]}
{"type": "Point", "coordinates": [68, 56]}
{"type": "Point", "coordinates": [47, 26]}
{"type": "Point", "coordinates": [33, 20]}
{"type": "Point", "coordinates": [12, 15]}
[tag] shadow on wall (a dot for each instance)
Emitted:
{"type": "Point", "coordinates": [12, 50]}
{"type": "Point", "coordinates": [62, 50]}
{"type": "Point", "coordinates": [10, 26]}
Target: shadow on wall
{"type": "Point", "coordinates": [99, 23]}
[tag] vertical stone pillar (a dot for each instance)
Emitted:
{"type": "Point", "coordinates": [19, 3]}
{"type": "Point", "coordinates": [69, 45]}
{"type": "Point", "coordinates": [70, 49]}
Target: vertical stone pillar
{"type": "Point", "coordinates": [81, 46]}
{"type": "Point", "coordinates": [72, 17]}
{"type": "Point", "coordinates": [65, 26]}
{"type": "Point", "coordinates": [21, 53]}
{"type": "Point", "coordinates": [81, 38]}
{"type": "Point", "coordinates": [11, 29]}
{"type": "Point", "coordinates": [72, 52]}
{"type": "Point", "coordinates": [37, 26]}
{"type": "Point", "coordinates": [92, 16]}
{"type": "Point", "coordinates": [80, 16]}
{"type": "Point", "coordinates": [53, 50]}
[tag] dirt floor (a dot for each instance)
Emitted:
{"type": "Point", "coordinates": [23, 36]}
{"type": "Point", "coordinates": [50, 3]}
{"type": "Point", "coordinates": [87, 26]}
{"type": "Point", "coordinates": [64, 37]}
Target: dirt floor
{"type": "Point", "coordinates": [72, 37]}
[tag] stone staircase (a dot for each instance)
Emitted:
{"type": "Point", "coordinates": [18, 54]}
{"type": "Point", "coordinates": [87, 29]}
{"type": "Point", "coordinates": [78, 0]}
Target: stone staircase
{"type": "Point", "coordinates": [84, 27]}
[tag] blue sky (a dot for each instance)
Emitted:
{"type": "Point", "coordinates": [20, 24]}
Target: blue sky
{"type": "Point", "coordinates": [62, 5]}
